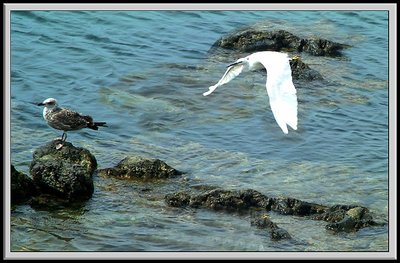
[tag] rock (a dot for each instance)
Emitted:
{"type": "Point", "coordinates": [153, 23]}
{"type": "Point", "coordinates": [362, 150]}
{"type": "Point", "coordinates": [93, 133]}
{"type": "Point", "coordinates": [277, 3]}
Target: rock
{"type": "Point", "coordinates": [242, 201]}
{"type": "Point", "coordinates": [180, 199]}
{"type": "Point", "coordinates": [264, 222]}
{"type": "Point", "coordinates": [354, 219]}
{"type": "Point", "coordinates": [136, 167]}
{"type": "Point", "coordinates": [322, 47]}
{"type": "Point", "coordinates": [342, 217]}
{"type": "Point", "coordinates": [66, 173]}
{"type": "Point", "coordinates": [292, 206]}
{"type": "Point", "coordinates": [251, 40]}
{"type": "Point", "coordinates": [219, 199]}
{"type": "Point", "coordinates": [257, 38]}
{"type": "Point", "coordinates": [334, 213]}
{"type": "Point", "coordinates": [301, 71]}
{"type": "Point", "coordinates": [22, 187]}
{"type": "Point", "coordinates": [331, 216]}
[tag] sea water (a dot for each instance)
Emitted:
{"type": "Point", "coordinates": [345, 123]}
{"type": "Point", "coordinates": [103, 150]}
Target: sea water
{"type": "Point", "coordinates": [144, 72]}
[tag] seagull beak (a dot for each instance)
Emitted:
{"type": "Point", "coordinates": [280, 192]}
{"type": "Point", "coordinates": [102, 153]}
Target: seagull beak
{"type": "Point", "coordinates": [40, 104]}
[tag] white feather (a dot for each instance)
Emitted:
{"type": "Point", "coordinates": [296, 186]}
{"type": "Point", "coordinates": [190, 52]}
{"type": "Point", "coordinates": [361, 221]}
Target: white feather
{"type": "Point", "coordinates": [279, 84]}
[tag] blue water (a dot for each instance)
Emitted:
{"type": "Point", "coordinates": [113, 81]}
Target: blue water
{"type": "Point", "coordinates": [144, 72]}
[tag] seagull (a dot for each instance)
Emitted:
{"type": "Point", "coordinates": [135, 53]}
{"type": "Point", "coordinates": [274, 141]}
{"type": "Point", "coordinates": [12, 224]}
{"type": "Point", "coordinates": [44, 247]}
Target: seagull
{"type": "Point", "coordinates": [280, 88]}
{"type": "Point", "coordinates": [66, 119]}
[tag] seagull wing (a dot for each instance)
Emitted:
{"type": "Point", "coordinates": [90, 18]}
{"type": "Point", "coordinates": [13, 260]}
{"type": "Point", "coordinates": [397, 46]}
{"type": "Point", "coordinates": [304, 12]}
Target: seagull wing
{"type": "Point", "coordinates": [67, 120]}
{"type": "Point", "coordinates": [282, 94]}
{"type": "Point", "coordinates": [230, 74]}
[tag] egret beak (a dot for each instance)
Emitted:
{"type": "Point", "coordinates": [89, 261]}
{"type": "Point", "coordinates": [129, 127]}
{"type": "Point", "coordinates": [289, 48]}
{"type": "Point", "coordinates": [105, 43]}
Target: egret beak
{"type": "Point", "coordinates": [40, 104]}
{"type": "Point", "coordinates": [233, 64]}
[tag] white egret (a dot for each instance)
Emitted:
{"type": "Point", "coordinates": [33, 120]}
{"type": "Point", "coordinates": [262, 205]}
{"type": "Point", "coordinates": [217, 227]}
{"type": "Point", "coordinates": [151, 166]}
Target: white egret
{"type": "Point", "coordinates": [280, 88]}
{"type": "Point", "coordinates": [66, 119]}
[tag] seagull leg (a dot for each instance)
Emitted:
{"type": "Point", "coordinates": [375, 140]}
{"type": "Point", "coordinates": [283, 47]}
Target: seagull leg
{"type": "Point", "coordinates": [63, 139]}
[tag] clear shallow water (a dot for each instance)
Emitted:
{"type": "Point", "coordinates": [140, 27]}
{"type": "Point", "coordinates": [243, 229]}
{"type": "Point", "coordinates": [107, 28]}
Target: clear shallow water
{"type": "Point", "coordinates": [144, 72]}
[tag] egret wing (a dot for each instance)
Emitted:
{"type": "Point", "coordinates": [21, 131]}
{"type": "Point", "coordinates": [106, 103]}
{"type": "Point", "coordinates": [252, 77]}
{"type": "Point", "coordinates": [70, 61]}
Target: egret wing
{"type": "Point", "coordinates": [230, 74]}
{"type": "Point", "coordinates": [282, 95]}
{"type": "Point", "coordinates": [283, 105]}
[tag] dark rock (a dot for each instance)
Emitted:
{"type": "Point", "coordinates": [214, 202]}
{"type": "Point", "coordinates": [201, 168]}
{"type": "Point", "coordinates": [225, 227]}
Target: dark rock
{"type": "Point", "coordinates": [252, 40]}
{"type": "Point", "coordinates": [301, 71]}
{"type": "Point", "coordinates": [264, 222]}
{"type": "Point", "coordinates": [331, 216]}
{"type": "Point", "coordinates": [322, 47]}
{"type": "Point", "coordinates": [342, 217]}
{"type": "Point", "coordinates": [279, 234]}
{"type": "Point", "coordinates": [65, 173]}
{"type": "Point", "coordinates": [292, 206]}
{"type": "Point", "coordinates": [22, 187]}
{"type": "Point", "coordinates": [354, 219]}
{"type": "Point", "coordinates": [258, 38]}
{"type": "Point", "coordinates": [241, 201]}
{"type": "Point", "coordinates": [180, 199]}
{"type": "Point", "coordinates": [219, 199]}
{"type": "Point", "coordinates": [334, 213]}
{"type": "Point", "coordinates": [136, 167]}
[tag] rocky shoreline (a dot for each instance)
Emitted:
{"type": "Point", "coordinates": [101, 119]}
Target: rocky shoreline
{"type": "Point", "coordinates": [64, 177]}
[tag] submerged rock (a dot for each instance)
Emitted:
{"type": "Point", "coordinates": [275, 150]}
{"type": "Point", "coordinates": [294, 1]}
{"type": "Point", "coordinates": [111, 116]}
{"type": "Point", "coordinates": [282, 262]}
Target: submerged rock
{"type": "Point", "coordinates": [66, 173]}
{"type": "Point", "coordinates": [344, 217]}
{"type": "Point", "coordinates": [22, 186]}
{"type": "Point", "coordinates": [242, 201]}
{"type": "Point", "coordinates": [264, 222]}
{"type": "Point", "coordinates": [251, 39]}
{"type": "Point", "coordinates": [136, 167]}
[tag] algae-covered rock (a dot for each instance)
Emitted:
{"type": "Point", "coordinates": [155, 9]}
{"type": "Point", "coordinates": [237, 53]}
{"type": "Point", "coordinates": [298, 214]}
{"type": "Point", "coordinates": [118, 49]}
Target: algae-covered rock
{"type": "Point", "coordinates": [293, 206]}
{"type": "Point", "coordinates": [301, 71]}
{"type": "Point", "coordinates": [66, 172]}
{"type": "Point", "coordinates": [136, 167]}
{"type": "Point", "coordinates": [341, 217]}
{"type": "Point", "coordinates": [251, 39]}
{"type": "Point", "coordinates": [220, 199]}
{"type": "Point", "coordinates": [353, 220]}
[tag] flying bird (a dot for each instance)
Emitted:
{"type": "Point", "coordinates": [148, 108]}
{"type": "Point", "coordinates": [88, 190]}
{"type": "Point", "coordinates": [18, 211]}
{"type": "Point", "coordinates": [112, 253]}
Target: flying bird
{"type": "Point", "coordinates": [280, 88]}
{"type": "Point", "coordinates": [66, 119]}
